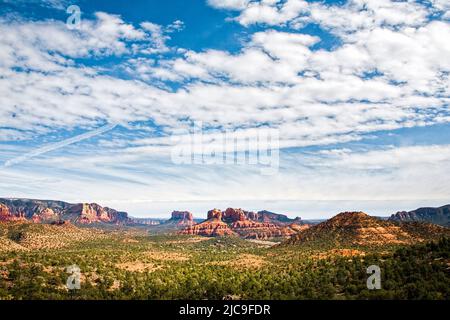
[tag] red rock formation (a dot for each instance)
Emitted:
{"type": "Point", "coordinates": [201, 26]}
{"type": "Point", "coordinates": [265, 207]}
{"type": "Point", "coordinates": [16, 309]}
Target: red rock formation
{"type": "Point", "coordinates": [215, 214]}
{"type": "Point", "coordinates": [242, 223]}
{"type": "Point", "coordinates": [210, 228]}
{"type": "Point", "coordinates": [88, 213]}
{"type": "Point", "coordinates": [232, 215]}
{"type": "Point", "coordinates": [261, 230]}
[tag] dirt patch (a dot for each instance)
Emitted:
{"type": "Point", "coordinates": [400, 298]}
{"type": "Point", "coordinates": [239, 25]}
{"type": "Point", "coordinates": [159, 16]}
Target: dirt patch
{"type": "Point", "coordinates": [138, 266]}
{"type": "Point", "coordinates": [115, 285]}
{"type": "Point", "coordinates": [7, 245]}
{"type": "Point", "coordinates": [128, 240]}
{"type": "Point", "coordinates": [245, 261]}
{"type": "Point", "coordinates": [263, 242]}
{"type": "Point", "coordinates": [348, 253]}
{"type": "Point", "coordinates": [190, 240]}
{"type": "Point", "coordinates": [382, 235]}
{"type": "Point", "coordinates": [166, 256]}
{"type": "Point", "coordinates": [55, 237]}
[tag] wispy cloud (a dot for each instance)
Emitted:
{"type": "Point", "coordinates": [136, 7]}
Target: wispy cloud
{"type": "Point", "coordinates": [59, 145]}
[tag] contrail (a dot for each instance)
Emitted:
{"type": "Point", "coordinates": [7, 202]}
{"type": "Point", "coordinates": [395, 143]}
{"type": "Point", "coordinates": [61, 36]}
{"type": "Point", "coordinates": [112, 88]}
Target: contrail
{"type": "Point", "coordinates": [60, 144]}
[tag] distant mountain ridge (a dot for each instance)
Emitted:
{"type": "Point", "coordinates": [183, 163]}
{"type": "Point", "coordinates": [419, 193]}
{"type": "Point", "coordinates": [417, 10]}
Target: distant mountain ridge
{"type": "Point", "coordinates": [47, 211]}
{"type": "Point", "coordinates": [358, 228]}
{"type": "Point", "coordinates": [440, 215]}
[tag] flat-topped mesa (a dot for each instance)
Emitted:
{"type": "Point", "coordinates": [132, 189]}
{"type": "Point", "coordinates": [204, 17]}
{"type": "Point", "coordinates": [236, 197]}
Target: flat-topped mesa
{"type": "Point", "coordinates": [182, 215]}
{"type": "Point", "coordinates": [181, 218]}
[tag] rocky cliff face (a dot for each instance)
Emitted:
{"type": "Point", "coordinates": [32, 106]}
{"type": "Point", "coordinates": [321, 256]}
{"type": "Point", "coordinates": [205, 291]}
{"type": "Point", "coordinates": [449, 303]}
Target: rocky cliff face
{"type": "Point", "coordinates": [358, 228]}
{"type": "Point", "coordinates": [48, 211]}
{"type": "Point", "coordinates": [45, 215]}
{"type": "Point", "coordinates": [440, 216]}
{"type": "Point", "coordinates": [87, 213]}
{"type": "Point", "coordinates": [242, 223]}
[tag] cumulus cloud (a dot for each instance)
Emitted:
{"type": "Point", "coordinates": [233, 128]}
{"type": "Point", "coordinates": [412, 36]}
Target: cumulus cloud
{"type": "Point", "coordinates": [272, 12]}
{"type": "Point", "coordinates": [353, 15]}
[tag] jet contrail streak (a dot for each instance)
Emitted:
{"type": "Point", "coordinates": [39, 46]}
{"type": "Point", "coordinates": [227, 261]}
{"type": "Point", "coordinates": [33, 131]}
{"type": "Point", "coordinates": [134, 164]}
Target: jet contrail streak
{"type": "Point", "coordinates": [60, 144]}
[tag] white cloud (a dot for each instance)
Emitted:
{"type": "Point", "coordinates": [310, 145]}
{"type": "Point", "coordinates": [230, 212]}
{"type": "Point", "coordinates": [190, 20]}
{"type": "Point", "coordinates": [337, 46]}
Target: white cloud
{"type": "Point", "coordinates": [229, 4]}
{"type": "Point", "coordinates": [272, 12]}
{"type": "Point", "coordinates": [352, 16]}
{"type": "Point", "coordinates": [359, 15]}
{"type": "Point", "coordinates": [46, 45]}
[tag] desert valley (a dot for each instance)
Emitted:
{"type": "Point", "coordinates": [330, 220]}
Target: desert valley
{"type": "Point", "coordinates": [232, 254]}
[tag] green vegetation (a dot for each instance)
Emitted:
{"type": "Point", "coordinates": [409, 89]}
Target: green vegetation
{"type": "Point", "coordinates": [135, 265]}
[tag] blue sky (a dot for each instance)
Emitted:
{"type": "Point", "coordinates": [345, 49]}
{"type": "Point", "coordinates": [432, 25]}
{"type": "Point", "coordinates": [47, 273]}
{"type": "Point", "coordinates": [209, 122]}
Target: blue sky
{"type": "Point", "coordinates": [358, 91]}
